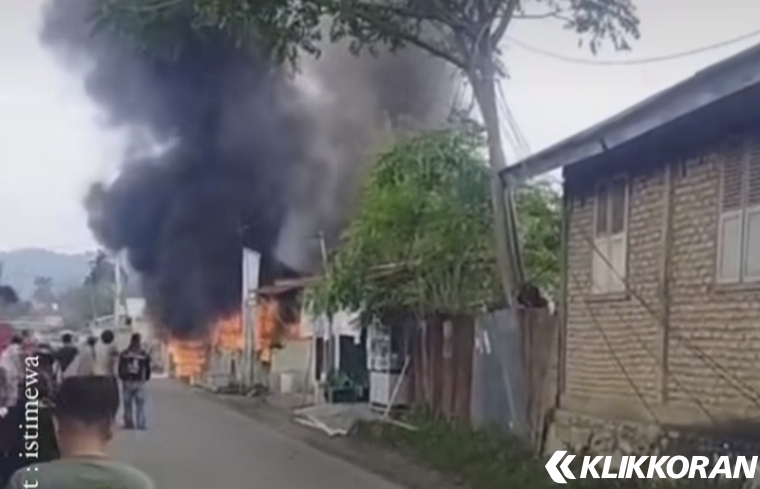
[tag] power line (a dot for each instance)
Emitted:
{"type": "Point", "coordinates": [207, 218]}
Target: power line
{"type": "Point", "coordinates": [629, 62]}
{"type": "Point", "coordinates": [521, 143]}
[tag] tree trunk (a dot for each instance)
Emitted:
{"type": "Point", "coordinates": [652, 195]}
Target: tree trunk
{"type": "Point", "coordinates": [483, 82]}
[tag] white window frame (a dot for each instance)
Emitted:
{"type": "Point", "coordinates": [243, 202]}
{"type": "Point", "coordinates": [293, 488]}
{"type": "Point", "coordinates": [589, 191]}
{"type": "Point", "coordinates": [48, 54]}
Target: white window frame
{"type": "Point", "coordinates": [605, 280]}
{"type": "Point", "coordinates": [744, 213]}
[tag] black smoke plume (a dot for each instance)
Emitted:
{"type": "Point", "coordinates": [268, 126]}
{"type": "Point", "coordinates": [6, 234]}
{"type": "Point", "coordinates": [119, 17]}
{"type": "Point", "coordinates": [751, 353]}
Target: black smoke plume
{"type": "Point", "coordinates": [227, 152]}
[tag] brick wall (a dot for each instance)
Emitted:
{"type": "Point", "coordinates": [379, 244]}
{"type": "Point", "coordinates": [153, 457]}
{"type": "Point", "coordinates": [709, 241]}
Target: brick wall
{"type": "Point", "coordinates": [723, 324]}
{"type": "Point", "coordinates": [591, 368]}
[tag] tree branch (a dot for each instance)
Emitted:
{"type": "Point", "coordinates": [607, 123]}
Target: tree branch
{"type": "Point", "coordinates": [544, 15]}
{"type": "Point", "coordinates": [506, 18]}
{"type": "Point", "coordinates": [393, 30]}
{"type": "Point", "coordinates": [151, 8]}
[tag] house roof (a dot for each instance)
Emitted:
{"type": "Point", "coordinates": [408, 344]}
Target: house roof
{"type": "Point", "coordinates": [704, 88]}
{"type": "Point", "coordinates": [287, 285]}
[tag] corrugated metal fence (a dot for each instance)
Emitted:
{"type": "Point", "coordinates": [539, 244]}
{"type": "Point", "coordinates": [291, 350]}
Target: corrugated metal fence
{"type": "Point", "coordinates": [515, 370]}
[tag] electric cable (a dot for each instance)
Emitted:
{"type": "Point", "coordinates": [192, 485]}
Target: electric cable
{"type": "Point", "coordinates": [640, 61]}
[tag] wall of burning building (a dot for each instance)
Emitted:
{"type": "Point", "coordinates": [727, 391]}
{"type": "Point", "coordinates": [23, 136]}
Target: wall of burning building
{"type": "Point", "coordinates": [277, 320]}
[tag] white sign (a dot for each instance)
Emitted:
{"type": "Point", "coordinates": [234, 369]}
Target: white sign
{"type": "Point", "coordinates": [650, 467]}
{"type": "Point", "coordinates": [251, 268]}
{"type": "Point", "coordinates": [251, 265]}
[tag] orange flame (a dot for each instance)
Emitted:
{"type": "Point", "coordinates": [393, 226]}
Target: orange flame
{"type": "Point", "coordinates": [188, 358]}
{"type": "Point", "coordinates": [272, 329]}
{"type": "Point", "coordinates": [229, 334]}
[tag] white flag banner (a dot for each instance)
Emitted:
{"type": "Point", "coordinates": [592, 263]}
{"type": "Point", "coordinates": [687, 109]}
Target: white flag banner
{"type": "Point", "coordinates": [251, 265]}
{"type": "Point", "coordinates": [251, 268]}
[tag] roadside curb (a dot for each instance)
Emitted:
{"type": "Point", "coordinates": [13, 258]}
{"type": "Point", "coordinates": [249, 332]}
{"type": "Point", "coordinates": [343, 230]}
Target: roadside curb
{"type": "Point", "coordinates": [380, 461]}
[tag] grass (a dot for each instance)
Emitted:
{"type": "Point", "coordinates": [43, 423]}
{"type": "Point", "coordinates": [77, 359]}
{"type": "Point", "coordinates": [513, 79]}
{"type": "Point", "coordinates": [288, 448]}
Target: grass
{"type": "Point", "coordinates": [489, 459]}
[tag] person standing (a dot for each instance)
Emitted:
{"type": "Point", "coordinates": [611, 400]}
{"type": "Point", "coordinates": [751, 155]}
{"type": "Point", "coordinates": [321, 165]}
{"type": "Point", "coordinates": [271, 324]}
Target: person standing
{"type": "Point", "coordinates": [106, 354]}
{"type": "Point", "coordinates": [10, 377]}
{"type": "Point", "coordinates": [85, 412]}
{"type": "Point", "coordinates": [66, 354]}
{"type": "Point", "coordinates": [83, 364]}
{"type": "Point", "coordinates": [134, 373]}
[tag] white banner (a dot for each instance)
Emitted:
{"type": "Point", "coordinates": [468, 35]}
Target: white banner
{"type": "Point", "coordinates": [250, 271]}
{"type": "Point", "coordinates": [251, 265]}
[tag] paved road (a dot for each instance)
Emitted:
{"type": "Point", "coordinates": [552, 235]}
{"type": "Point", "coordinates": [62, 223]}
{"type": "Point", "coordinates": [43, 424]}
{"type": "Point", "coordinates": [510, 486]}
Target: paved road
{"type": "Point", "coordinates": [194, 443]}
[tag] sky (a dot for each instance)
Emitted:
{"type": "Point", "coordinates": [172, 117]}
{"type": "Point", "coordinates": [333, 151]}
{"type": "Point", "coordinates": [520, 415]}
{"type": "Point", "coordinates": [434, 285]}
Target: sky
{"type": "Point", "coordinates": [52, 145]}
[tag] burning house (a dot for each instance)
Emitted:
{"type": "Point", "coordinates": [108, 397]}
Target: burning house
{"type": "Point", "coordinates": [225, 152]}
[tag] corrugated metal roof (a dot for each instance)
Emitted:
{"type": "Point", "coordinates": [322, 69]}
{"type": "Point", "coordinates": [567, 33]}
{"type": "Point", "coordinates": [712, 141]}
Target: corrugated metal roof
{"type": "Point", "coordinates": [288, 285]}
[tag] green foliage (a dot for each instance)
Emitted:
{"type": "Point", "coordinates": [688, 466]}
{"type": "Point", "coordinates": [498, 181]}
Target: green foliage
{"type": "Point", "coordinates": [102, 271]}
{"type": "Point", "coordinates": [456, 30]}
{"type": "Point", "coordinates": [79, 305]}
{"type": "Point", "coordinates": [278, 29]}
{"type": "Point", "coordinates": [493, 459]}
{"type": "Point", "coordinates": [539, 207]}
{"type": "Point", "coordinates": [43, 290]}
{"type": "Point", "coordinates": [422, 237]}
{"type": "Point", "coordinates": [94, 297]}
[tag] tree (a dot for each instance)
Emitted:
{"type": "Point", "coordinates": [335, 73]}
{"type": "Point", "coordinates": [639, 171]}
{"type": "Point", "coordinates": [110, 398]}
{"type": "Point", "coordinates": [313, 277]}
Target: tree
{"type": "Point", "coordinates": [465, 33]}
{"type": "Point", "coordinates": [539, 205]}
{"type": "Point", "coordinates": [78, 305]}
{"type": "Point", "coordinates": [10, 304]}
{"type": "Point", "coordinates": [421, 242]}
{"type": "Point", "coordinates": [43, 290]}
{"type": "Point", "coordinates": [101, 270]}
{"type": "Point", "coordinates": [99, 285]}
{"type": "Point", "coordinates": [8, 296]}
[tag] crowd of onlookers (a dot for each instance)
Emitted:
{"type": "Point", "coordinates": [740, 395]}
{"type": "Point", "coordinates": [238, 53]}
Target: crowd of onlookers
{"type": "Point", "coordinates": [58, 411]}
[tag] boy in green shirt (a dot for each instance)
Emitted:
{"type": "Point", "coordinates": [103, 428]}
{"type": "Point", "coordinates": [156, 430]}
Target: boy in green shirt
{"type": "Point", "coordinates": [85, 414]}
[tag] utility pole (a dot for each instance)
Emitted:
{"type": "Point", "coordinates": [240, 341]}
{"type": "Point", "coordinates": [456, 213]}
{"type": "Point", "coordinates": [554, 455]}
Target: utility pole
{"type": "Point", "coordinates": [328, 348]}
{"type": "Point", "coordinates": [250, 264]}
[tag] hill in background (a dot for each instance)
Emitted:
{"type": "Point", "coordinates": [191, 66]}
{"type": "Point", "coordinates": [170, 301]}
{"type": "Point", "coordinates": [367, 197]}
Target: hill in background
{"type": "Point", "coordinates": [21, 267]}
{"type": "Point", "coordinates": [67, 271]}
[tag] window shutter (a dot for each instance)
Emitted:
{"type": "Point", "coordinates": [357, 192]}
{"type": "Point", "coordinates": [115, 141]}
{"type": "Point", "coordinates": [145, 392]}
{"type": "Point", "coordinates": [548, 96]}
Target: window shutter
{"type": "Point", "coordinates": [753, 184]}
{"type": "Point", "coordinates": [752, 245]}
{"type": "Point", "coordinates": [599, 268]}
{"type": "Point", "coordinates": [729, 246]}
{"type": "Point", "coordinates": [601, 211]}
{"type": "Point", "coordinates": [752, 215]}
{"type": "Point", "coordinates": [617, 258]}
{"type": "Point", "coordinates": [733, 171]}
{"type": "Point", "coordinates": [617, 204]}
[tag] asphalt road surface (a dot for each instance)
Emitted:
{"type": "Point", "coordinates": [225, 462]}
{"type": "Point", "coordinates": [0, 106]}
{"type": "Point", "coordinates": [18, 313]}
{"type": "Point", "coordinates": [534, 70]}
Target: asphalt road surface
{"type": "Point", "coordinates": [194, 443]}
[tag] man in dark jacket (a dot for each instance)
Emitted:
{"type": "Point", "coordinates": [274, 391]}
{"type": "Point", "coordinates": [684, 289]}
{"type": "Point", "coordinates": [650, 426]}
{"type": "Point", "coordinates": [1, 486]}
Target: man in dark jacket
{"type": "Point", "coordinates": [134, 373]}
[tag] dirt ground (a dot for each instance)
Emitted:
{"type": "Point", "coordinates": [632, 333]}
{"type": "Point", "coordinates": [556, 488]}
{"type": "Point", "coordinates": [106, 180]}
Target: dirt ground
{"type": "Point", "coordinates": [385, 463]}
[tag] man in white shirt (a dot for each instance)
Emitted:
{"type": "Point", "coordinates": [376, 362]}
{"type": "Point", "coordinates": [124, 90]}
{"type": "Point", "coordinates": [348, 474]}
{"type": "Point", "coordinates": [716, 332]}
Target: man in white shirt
{"type": "Point", "coordinates": [106, 355]}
